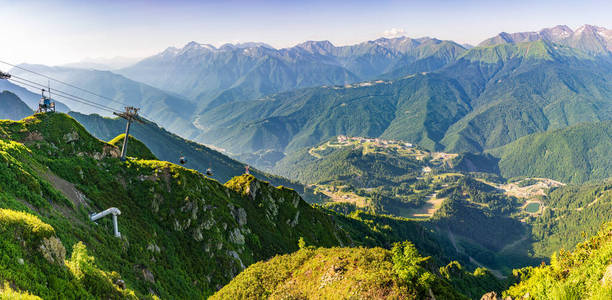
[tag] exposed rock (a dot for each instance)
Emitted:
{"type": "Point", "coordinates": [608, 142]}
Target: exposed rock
{"type": "Point", "coordinates": [148, 275]}
{"type": "Point", "coordinates": [153, 248]}
{"type": "Point", "coordinates": [235, 255]}
{"type": "Point", "coordinates": [53, 250]}
{"type": "Point", "coordinates": [294, 222]}
{"type": "Point", "coordinates": [71, 137]}
{"type": "Point", "coordinates": [236, 237]}
{"type": "Point", "coordinates": [606, 280]}
{"type": "Point", "coordinates": [239, 214]}
{"type": "Point", "coordinates": [33, 136]}
{"type": "Point", "coordinates": [490, 296]}
{"type": "Point", "coordinates": [121, 284]}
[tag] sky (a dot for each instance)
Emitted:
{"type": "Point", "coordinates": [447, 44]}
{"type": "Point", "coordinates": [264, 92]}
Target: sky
{"type": "Point", "coordinates": [55, 32]}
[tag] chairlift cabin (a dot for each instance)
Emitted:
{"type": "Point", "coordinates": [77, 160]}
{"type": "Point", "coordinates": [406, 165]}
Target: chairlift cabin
{"type": "Point", "coordinates": [45, 104]}
{"type": "Point", "coordinates": [209, 172]}
{"type": "Point", "coordinates": [182, 160]}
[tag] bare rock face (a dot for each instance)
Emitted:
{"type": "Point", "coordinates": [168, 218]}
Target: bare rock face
{"type": "Point", "coordinates": [71, 137]}
{"type": "Point", "coordinates": [148, 275]}
{"type": "Point", "coordinates": [53, 250]}
{"type": "Point", "coordinates": [606, 280]}
{"type": "Point", "coordinates": [493, 296]}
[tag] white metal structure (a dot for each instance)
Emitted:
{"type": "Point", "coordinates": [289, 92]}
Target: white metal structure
{"type": "Point", "coordinates": [115, 212]}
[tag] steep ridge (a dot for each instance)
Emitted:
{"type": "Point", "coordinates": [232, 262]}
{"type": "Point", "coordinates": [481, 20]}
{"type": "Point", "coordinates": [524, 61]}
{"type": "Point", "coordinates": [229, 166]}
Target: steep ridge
{"type": "Point", "coordinates": [169, 147]}
{"type": "Point", "coordinates": [526, 88]}
{"type": "Point", "coordinates": [12, 107]}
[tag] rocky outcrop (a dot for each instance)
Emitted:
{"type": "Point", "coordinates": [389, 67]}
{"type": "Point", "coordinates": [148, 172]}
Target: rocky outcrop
{"type": "Point", "coordinates": [53, 251]}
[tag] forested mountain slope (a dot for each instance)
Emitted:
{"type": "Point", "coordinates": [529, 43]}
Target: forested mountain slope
{"type": "Point", "coordinates": [489, 97]}
{"type": "Point", "coordinates": [575, 154]}
{"type": "Point", "coordinates": [182, 234]}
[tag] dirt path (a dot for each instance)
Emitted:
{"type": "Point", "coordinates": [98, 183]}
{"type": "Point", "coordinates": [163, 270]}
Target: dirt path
{"type": "Point", "coordinates": [429, 208]}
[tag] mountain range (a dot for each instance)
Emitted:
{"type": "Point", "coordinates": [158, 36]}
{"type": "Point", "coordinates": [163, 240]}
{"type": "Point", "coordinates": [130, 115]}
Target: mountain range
{"type": "Point", "coordinates": [171, 111]}
{"type": "Point", "coordinates": [488, 97]}
{"type": "Point", "coordinates": [588, 38]}
{"type": "Point", "coordinates": [212, 76]}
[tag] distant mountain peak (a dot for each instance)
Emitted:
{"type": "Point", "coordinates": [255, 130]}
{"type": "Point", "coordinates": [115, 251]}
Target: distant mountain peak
{"type": "Point", "coordinates": [320, 47]}
{"type": "Point", "coordinates": [231, 46]}
{"type": "Point", "coordinates": [195, 45]}
{"type": "Point", "coordinates": [589, 38]}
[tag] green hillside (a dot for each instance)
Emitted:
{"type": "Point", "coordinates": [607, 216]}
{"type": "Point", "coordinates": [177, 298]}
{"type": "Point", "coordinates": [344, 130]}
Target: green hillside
{"type": "Point", "coordinates": [341, 273]}
{"type": "Point", "coordinates": [575, 154]}
{"type": "Point", "coordinates": [135, 147]}
{"type": "Point", "coordinates": [182, 234]}
{"type": "Point", "coordinates": [585, 273]}
{"type": "Point", "coordinates": [170, 147]}
{"type": "Point", "coordinates": [56, 171]}
{"type": "Point", "coordinates": [571, 213]}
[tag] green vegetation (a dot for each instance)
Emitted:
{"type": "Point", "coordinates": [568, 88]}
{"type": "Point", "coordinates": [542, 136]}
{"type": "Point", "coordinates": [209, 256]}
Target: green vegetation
{"type": "Point", "coordinates": [371, 273]}
{"type": "Point", "coordinates": [390, 177]}
{"type": "Point", "coordinates": [585, 273]}
{"type": "Point", "coordinates": [33, 261]}
{"type": "Point", "coordinates": [575, 154]}
{"type": "Point", "coordinates": [183, 235]}
{"type": "Point", "coordinates": [488, 97]}
{"type": "Point", "coordinates": [571, 213]}
{"type": "Point", "coordinates": [169, 147]}
{"type": "Point", "coordinates": [135, 147]}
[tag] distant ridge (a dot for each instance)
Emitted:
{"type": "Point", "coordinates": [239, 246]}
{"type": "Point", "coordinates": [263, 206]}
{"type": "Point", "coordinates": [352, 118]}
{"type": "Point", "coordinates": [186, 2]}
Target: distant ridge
{"type": "Point", "coordinates": [588, 38]}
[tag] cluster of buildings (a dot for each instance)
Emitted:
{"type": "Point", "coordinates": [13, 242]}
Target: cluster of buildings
{"type": "Point", "coordinates": [345, 140]}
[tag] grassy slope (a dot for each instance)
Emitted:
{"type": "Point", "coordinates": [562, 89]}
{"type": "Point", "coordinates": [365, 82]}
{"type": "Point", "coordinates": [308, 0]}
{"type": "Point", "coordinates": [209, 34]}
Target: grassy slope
{"type": "Point", "coordinates": [169, 147]}
{"type": "Point", "coordinates": [585, 273]}
{"type": "Point", "coordinates": [171, 216]}
{"type": "Point", "coordinates": [135, 147]}
{"type": "Point", "coordinates": [368, 273]}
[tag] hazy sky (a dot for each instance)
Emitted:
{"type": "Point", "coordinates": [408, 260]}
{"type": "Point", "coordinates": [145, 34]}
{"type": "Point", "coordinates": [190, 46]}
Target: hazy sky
{"type": "Point", "coordinates": [56, 32]}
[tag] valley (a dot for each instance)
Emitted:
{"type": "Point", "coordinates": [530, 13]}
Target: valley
{"type": "Point", "coordinates": [393, 168]}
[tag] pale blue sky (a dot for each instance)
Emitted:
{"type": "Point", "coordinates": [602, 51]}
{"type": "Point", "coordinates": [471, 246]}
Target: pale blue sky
{"type": "Point", "coordinates": [61, 31]}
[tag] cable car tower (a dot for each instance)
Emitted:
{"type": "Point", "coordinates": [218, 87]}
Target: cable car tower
{"type": "Point", "coordinates": [130, 114]}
